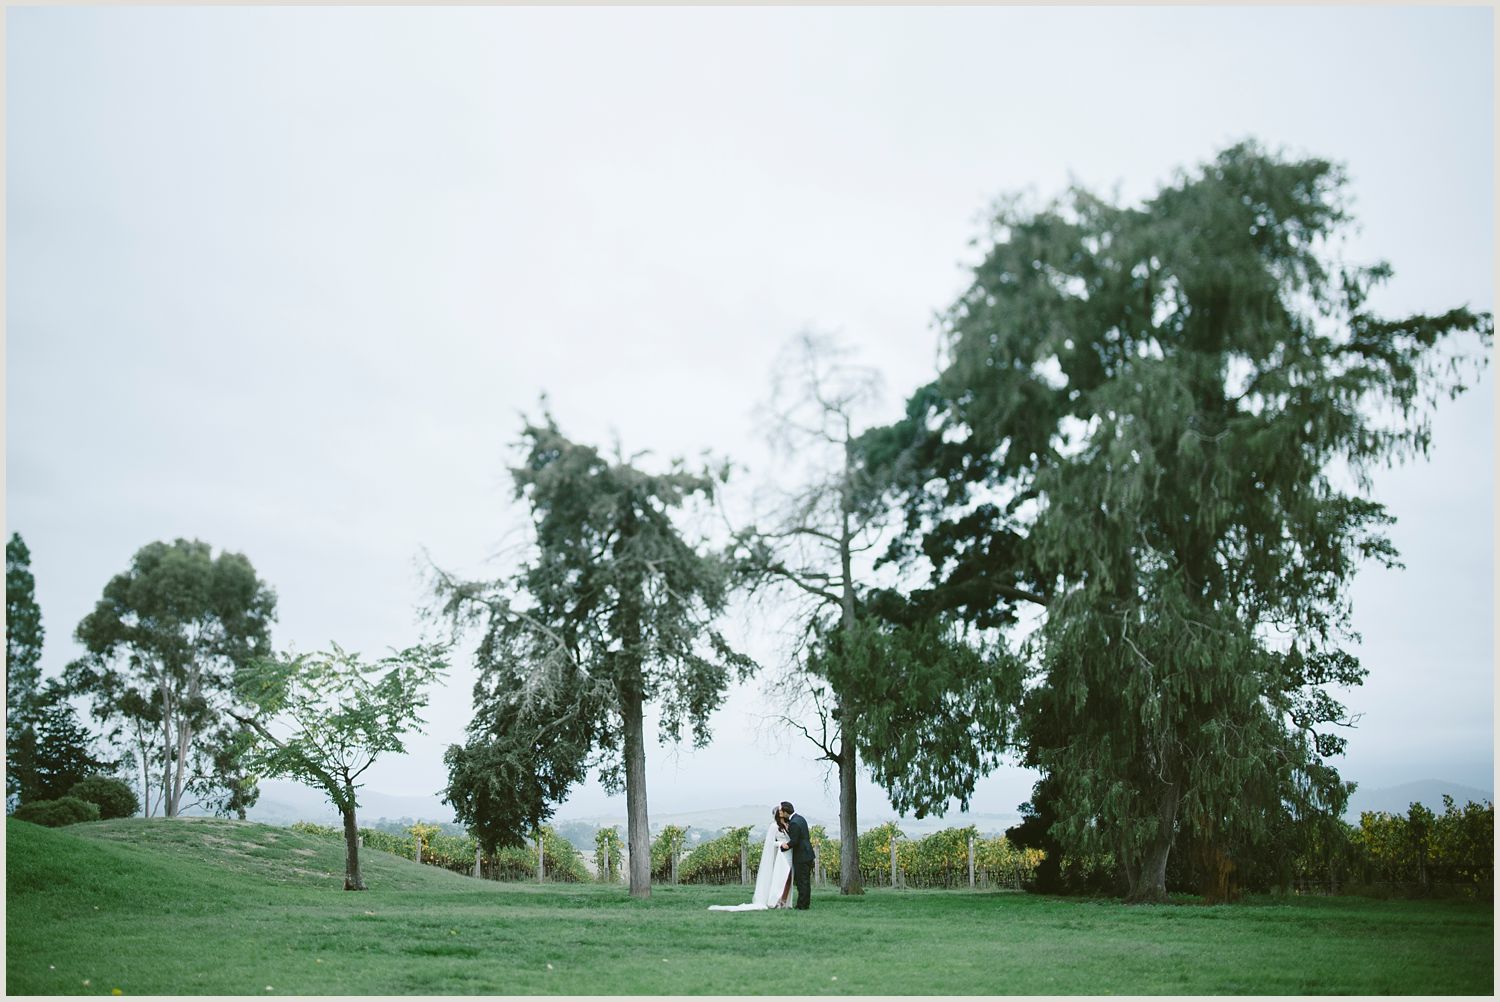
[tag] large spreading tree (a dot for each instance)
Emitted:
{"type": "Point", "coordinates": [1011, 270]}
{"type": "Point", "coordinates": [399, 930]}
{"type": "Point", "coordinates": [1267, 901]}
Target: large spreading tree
{"type": "Point", "coordinates": [162, 646]}
{"type": "Point", "coordinates": [1157, 424]}
{"type": "Point", "coordinates": [612, 610]}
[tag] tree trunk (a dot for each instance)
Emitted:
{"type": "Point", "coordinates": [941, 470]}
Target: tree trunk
{"type": "Point", "coordinates": [1150, 886]}
{"type": "Point", "coordinates": [169, 805]}
{"type": "Point", "coordinates": [849, 878]}
{"type": "Point", "coordinates": [184, 738]}
{"type": "Point", "coordinates": [636, 824]}
{"type": "Point", "coordinates": [353, 879]}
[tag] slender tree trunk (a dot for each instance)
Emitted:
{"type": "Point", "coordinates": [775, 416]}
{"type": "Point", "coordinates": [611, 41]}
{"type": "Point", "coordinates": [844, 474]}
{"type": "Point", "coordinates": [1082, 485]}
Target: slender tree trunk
{"type": "Point", "coordinates": [1151, 884]}
{"type": "Point", "coordinates": [353, 879]}
{"type": "Point", "coordinates": [169, 805]}
{"type": "Point", "coordinates": [637, 826]}
{"type": "Point", "coordinates": [184, 739]}
{"type": "Point", "coordinates": [850, 881]}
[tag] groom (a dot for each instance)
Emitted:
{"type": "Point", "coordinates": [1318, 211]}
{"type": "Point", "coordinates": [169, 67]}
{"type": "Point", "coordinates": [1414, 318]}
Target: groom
{"type": "Point", "coordinates": [799, 844]}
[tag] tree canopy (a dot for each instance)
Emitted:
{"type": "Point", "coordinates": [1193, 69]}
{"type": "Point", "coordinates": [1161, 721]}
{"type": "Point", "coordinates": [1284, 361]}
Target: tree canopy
{"type": "Point", "coordinates": [612, 609]}
{"type": "Point", "coordinates": [162, 646]}
{"type": "Point", "coordinates": [324, 719]}
{"type": "Point", "coordinates": [1158, 423]}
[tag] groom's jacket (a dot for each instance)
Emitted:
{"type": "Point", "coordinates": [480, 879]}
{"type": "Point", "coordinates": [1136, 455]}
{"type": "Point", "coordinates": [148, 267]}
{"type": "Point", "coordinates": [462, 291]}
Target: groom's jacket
{"type": "Point", "coordinates": [799, 842]}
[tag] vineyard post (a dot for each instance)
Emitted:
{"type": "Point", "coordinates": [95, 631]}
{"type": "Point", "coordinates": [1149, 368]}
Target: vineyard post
{"type": "Point", "coordinates": [894, 871]}
{"type": "Point", "coordinates": [605, 872]}
{"type": "Point", "coordinates": [478, 859]}
{"type": "Point", "coordinates": [541, 858]}
{"type": "Point", "coordinates": [672, 855]}
{"type": "Point", "coordinates": [418, 837]}
{"type": "Point", "coordinates": [744, 862]}
{"type": "Point", "coordinates": [971, 862]}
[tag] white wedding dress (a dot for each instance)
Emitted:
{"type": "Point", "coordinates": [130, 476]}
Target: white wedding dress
{"type": "Point", "coordinates": [773, 879]}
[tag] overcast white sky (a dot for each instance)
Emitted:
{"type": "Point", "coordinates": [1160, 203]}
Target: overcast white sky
{"type": "Point", "coordinates": [284, 279]}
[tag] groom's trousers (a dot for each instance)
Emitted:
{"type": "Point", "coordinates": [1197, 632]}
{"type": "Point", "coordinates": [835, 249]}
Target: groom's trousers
{"type": "Point", "coordinates": [802, 875]}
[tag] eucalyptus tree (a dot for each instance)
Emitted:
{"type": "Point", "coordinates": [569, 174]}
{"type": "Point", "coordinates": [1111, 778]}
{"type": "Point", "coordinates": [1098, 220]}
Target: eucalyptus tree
{"type": "Point", "coordinates": [611, 610]}
{"type": "Point", "coordinates": [162, 644]}
{"type": "Point", "coordinates": [1177, 407]}
{"type": "Point", "coordinates": [324, 718]}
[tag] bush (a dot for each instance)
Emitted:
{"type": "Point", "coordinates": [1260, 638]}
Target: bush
{"type": "Point", "coordinates": [57, 813]}
{"type": "Point", "coordinates": [114, 798]}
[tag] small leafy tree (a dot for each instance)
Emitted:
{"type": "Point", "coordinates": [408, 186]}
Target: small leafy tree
{"type": "Point", "coordinates": [324, 718]}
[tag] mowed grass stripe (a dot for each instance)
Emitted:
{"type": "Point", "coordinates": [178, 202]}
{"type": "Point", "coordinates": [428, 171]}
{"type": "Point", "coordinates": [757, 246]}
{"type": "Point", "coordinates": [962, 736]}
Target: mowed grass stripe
{"type": "Point", "coordinates": [195, 906]}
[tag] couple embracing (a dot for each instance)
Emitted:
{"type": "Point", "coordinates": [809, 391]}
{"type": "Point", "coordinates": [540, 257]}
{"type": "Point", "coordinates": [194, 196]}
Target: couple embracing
{"type": "Point", "coordinates": [786, 859]}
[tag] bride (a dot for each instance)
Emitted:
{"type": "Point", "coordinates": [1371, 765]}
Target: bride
{"type": "Point", "coordinates": [773, 881]}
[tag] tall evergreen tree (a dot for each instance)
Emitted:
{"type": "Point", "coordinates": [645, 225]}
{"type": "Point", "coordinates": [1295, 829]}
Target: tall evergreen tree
{"type": "Point", "coordinates": [47, 749]}
{"type": "Point", "coordinates": [1159, 423]}
{"type": "Point", "coordinates": [612, 611]}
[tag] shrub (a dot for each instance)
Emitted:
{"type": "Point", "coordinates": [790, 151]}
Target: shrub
{"type": "Point", "coordinates": [57, 813]}
{"type": "Point", "coordinates": [114, 798]}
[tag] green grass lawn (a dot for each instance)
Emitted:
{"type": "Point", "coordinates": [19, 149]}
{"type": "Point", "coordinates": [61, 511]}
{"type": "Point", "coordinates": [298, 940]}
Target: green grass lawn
{"type": "Point", "coordinates": [201, 906]}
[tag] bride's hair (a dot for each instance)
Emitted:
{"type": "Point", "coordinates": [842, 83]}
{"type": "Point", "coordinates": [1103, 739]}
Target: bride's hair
{"type": "Point", "coordinates": [776, 817]}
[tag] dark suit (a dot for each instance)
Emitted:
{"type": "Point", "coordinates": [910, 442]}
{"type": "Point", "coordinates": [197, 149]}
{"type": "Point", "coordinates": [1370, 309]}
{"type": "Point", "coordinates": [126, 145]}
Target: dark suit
{"type": "Point", "coordinates": [799, 844]}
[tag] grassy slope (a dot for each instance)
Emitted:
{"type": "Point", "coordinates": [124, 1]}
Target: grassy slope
{"type": "Point", "coordinates": [208, 906]}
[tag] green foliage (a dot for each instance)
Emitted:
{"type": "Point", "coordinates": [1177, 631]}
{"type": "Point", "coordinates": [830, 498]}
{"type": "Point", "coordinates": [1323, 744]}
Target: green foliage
{"type": "Point", "coordinates": [53, 751]}
{"type": "Point", "coordinates": [57, 813]}
{"type": "Point", "coordinates": [46, 749]}
{"type": "Point", "coordinates": [607, 846]}
{"type": "Point", "coordinates": [23, 626]}
{"type": "Point", "coordinates": [935, 710]}
{"type": "Point", "coordinates": [939, 860]}
{"type": "Point", "coordinates": [1138, 428]}
{"type": "Point", "coordinates": [667, 845]}
{"type": "Point", "coordinates": [1455, 849]}
{"type": "Point", "coordinates": [336, 712]}
{"type": "Point", "coordinates": [456, 852]}
{"type": "Point", "coordinates": [717, 861]}
{"type": "Point", "coordinates": [114, 798]}
{"type": "Point", "coordinates": [163, 645]}
{"type": "Point", "coordinates": [23, 642]}
{"type": "Point", "coordinates": [612, 609]}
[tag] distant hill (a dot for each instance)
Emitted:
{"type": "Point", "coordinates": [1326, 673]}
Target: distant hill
{"type": "Point", "coordinates": [1427, 792]}
{"type": "Point", "coordinates": [282, 803]}
{"type": "Point", "coordinates": [711, 820]}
